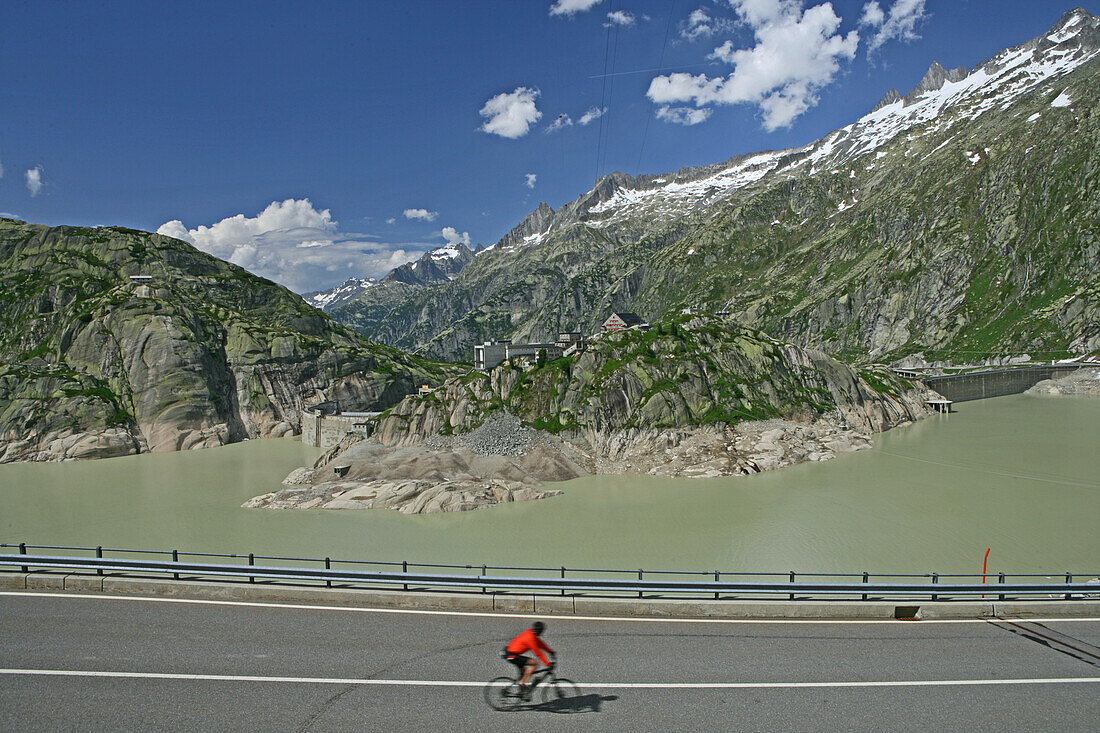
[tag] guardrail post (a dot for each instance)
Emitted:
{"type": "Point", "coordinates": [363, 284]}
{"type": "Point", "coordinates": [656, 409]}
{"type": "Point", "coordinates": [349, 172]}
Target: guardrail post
{"type": "Point", "coordinates": [1069, 579]}
{"type": "Point", "coordinates": [405, 570]}
{"type": "Point", "coordinates": [792, 581]}
{"type": "Point", "coordinates": [99, 554]}
{"type": "Point", "coordinates": [175, 558]}
{"type": "Point", "coordinates": [717, 579]}
{"type": "Point", "coordinates": [23, 551]}
{"type": "Point", "coordinates": [1001, 580]}
{"type": "Point", "coordinates": [935, 580]}
{"type": "Point", "coordinates": [484, 572]}
{"type": "Point", "coordinates": [563, 580]}
{"type": "Point", "coordinates": [251, 561]}
{"type": "Point", "coordinates": [866, 577]}
{"type": "Point", "coordinates": [640, 574]}
{"type": "Point", "coordinates": [328, 566]}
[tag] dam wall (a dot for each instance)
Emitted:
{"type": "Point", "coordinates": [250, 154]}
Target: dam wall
{"type": "Point", "coordinates": [326, 430]}
{"type": "Point", "coordinates": [992, 382]}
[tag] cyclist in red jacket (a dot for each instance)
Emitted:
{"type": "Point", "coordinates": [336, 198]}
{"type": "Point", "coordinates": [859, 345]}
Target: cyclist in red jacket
{"type": "Point", "coordinates": [528, 641]}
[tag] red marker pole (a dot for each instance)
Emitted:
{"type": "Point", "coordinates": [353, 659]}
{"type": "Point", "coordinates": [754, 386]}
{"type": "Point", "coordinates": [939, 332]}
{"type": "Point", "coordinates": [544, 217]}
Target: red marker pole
{"type": "Point", "coordinates": [985, 563]}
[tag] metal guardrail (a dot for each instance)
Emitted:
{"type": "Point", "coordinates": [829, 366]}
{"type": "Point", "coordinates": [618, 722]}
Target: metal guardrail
{"type": "Point", "coordinates": [930, 585]}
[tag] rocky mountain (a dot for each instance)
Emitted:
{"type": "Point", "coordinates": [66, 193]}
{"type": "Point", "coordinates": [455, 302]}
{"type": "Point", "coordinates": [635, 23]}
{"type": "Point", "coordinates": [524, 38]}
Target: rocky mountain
{"type": "Point", "coordinates": [958, 220]}
{"type": "Point", "coordinates": [335, 297]}
{"type": "Point", "coordinates": [114, 341]}
{"type": "Point", "coordinates": [436, 266]}
{"type": "Point", "coordinates": [693, 369]}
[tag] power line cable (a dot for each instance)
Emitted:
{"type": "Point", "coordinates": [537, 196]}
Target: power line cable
{"type": "Point", "coordinates": [659, 69]}
{"type": "Point", "coordinates": [603, 96]}
{"type": "Point", "coordinates": [610, 98]}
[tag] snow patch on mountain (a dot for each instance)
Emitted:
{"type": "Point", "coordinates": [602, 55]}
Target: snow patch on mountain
{"type": "Point", "coordinates": [1062, 100]}
{"type": "Point", "coordinates": [447, 252]}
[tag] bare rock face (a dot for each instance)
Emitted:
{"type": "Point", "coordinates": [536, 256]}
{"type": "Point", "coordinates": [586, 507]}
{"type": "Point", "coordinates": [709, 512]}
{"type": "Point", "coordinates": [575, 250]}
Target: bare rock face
{"type": "Point", "coordinates": [93, 365]}
{"type": "Point", "coordinates": [299, 476]}
{"type": "Point", "coordinates": [411, 496]}
{"type": "Point", "coordinates": [67, 445]}
{"type": "Point", "coordinates": [1082, 383]}
{"type": "Point", "coordinates": [713, 451]}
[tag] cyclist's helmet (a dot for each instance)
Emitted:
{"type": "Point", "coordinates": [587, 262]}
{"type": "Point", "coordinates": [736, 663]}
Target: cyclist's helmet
{"type": "Point", "coordinates": [538, 627]}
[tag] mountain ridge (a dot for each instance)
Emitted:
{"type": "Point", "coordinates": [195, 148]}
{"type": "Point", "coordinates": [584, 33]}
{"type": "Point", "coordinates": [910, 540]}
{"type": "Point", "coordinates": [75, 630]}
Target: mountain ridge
{"type": "Point", "coordinates": [434, 266]}
{"type": "Point", "coordinates": [629, 241]}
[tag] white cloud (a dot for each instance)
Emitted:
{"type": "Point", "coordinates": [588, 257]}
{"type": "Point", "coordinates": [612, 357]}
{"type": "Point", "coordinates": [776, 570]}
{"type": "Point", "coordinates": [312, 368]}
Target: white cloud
{"type": "Point", "coordinates": [34, 180]}
{"type": "Point", "coordinates": [9, 215]}
{"type": "Point", "coordinates": [570, 8]}
{"type": "Point", "coordinates": [797, 53]}
{"type": "Point", "coordinates": [560, 123]}
{"type": "Point", "coordinates": [421, 214]}
{"type": "Point", "coordinates": [700, 24]}
{"type": "Point", "coordinates": [620, 18]}
{"type": "Point", "coordinates": [683, 115]}
{"type": "Point", "coordinates": [593, 114]}
{"type": "Point", "coordinates": [391, 220]}
{"type": "Point", "coordinates": [296, 245]}
{"type": "Point", "coordinates": [531, 178]}
{"type": "Point", "coordinates": [563, 120]}
{"type": "Point", "coordinates": [899, 22]}
{"type": "Point", "coordinates": [511, 115]}
{"type": "Point", "coordinates": [453, 237]}
{"type": "Point", "coordinates": [872, 15]}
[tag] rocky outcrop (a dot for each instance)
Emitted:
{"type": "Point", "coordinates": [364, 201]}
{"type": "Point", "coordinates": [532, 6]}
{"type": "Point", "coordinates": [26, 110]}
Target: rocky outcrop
{"type": "Point", "coordinates": [712, 451]}
{"type": "Point", "coordinates": [933, 80]}
{"type": "Point", "coordinates": [537, 222]}
{"type": "Point", "coordinates": [695, 397]}
{"type": "Point", "coordinates": [1082, 383]}
{"type": "Point", "coordinates": [92, 364]}
{"type": "Point", "coordinates": [693, 370]}
{"type": "Point", "coordinates": [440, 476]}
{"type": "Point", "coordinates": [408, 497]}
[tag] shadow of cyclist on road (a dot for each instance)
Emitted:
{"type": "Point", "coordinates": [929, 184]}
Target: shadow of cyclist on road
{"type": "Point", "coordinates": [580, 704]}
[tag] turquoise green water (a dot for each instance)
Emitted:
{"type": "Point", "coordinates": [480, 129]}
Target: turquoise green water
{"type": "Point", "coordinates": [1020, 475]}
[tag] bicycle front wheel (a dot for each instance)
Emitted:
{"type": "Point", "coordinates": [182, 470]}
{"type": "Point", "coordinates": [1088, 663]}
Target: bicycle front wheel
{"type": "Point", "coordinates": [558, 689]}
{"type": "Point", "coordinates": [502, 693]}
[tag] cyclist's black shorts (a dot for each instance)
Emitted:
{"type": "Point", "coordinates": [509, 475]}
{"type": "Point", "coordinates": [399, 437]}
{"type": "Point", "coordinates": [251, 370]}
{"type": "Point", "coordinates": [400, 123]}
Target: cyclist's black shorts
{"type": "Point", "coordinates": [517, 659]}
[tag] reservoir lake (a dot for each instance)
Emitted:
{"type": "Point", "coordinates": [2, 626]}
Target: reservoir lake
{"type": "Point", "coordinates": [1019, 475]}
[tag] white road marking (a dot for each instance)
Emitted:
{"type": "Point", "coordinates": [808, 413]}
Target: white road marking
{"type": "Point", "coordinates": [560, 617]}
{"type": "Point", "coordinates": [583, 685]}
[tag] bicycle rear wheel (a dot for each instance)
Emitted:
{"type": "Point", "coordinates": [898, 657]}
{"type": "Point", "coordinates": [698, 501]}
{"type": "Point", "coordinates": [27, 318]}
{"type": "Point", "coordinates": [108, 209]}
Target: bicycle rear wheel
{"type": "Point", "coordinates": [558, 689]}
{"type": "Point", "coordinates": [503, 693]}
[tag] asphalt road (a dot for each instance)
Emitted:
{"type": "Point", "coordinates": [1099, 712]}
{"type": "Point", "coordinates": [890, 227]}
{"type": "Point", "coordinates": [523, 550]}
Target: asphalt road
{"type": "Point", "coordinates": [133, 664]}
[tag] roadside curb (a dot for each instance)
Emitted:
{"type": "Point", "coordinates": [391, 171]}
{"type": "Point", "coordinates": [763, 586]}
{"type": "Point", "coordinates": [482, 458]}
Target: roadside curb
{"type": "Point", "coordinates": [529, 604]}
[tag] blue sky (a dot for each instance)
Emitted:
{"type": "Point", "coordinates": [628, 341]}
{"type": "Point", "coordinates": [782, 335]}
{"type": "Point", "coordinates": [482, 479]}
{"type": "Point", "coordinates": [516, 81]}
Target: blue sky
{"type": "Point", "coordinates": [310, 142]}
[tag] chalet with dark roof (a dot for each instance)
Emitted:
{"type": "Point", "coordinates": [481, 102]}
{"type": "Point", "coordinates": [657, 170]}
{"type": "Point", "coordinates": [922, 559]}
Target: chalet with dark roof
{"type": "Point", "coordinates": [621, 320]}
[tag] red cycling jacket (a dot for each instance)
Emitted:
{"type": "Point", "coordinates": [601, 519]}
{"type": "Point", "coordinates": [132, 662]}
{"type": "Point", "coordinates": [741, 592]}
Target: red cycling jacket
{"type": "Point", "coordinates": [528, 641]}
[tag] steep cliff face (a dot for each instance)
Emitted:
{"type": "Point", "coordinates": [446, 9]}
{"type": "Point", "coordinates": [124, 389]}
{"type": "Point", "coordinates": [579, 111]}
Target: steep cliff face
{"type": "Point", "coordinates": [93, 364]}
{"type": "Point", "coordinates": [958, 220]}
{"type": "Point", "coordinates": [691, 370]}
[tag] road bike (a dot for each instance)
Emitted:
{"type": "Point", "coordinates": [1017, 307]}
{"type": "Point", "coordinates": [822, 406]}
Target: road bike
{"type": "Point", "coordinates": [505, 693]}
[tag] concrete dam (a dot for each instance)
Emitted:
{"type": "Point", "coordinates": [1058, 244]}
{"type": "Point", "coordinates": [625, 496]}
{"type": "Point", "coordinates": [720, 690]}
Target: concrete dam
{"type": "Point", "coordinates": [990, 382]}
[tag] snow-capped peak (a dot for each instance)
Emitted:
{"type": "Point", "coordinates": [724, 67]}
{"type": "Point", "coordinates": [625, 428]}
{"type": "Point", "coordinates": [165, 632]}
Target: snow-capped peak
{"type": "Point", "coordinates": [328, 299]}
{"type": "Point", "coordinates": [943, 98]}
